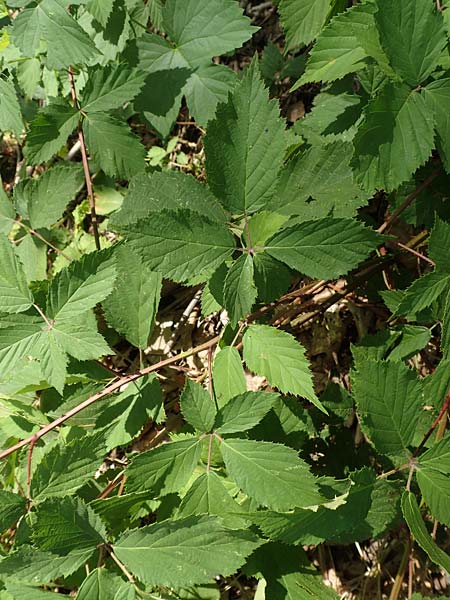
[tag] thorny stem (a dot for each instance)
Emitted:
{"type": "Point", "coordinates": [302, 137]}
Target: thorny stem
{"type": "Point", "coordinates": [409, 200]}
{"type": "Point", "coordinates": [121, 566]}
{"type": "Point", "coordinates": [49, 323]}
{"type": "Point", "coordinates": [42, 238]}
{"type": "Point", "coordinates": [111, 388]}
{"type": "Point", "coordinates": [84, 158]}
{"type": "Point", "coordinates": [436, 422]}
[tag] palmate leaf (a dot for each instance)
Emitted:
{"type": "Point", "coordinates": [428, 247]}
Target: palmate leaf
{"type": "Point", "coordinates": [395, 139]}
{"type": "Point", "coordinates": [412, 515]}
{"type": "Point", "coordinates": [179, 244]}
{"type": "Point", "coordinates": [165, 469]}
{"type": "Point", "coordinates": [111, 87]}
{"type": "Point", "coordinates": [239, 292]}
{"type": "Point", "coordinates": [110, 141]}
{"type": "Point", "coordinates": [64, 525]}
{"type": "Point", "coordinates": [272, 474]}
{"type": "Point", "coordinates": [197, 406]}
{"type": "Point", "coordinates": [10, 113]}
{"type": "Point", "coordinates": [413, 36]}
{"type": "Point", "coordinates": [15, 296]}
{"type": "Point", "coordinates": [388, 398]}
{"type": "Point", "coordinates": [132, 306]}
{"type": "Point", "coordinates": [50, 130]}
{"type": "Point", "coordinates": [101, 584]}
{"type": "Point", "coordinates": [324, 248]}
{"type": "Point", "coordinates": [303, 19]}
{"type": "Point", "coordinates": [278, 357]}
{"type": "Point", "coordinates": [228, 375]}
{"type": "Point", "coordinates": [245, 145]}
{"type": "Point", "coordinates": [184, 552]}
{"type": "Point", "coordinates": [64, 468]}
{"type": "Point", "coordinates": [244, 412]}
{"type": "Point", "coordinates": [67, 42]}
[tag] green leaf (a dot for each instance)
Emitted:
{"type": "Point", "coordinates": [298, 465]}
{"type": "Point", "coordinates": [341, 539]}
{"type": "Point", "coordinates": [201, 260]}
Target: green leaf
{"type": "Point", "coordinates": [423, 292]}
{"type": "Point", "coordinates": [65, 467]}
{"type": "Point", "coordinates": [125, 416]}
{"type": "Point", "coordinates": [418, 529]}
{"type": "Point", "coordinates": [81, 285]}
{"type": "Point", "coordinates": [228, 375]}
{"type": "Point", "coordinates": [101, 584]}
{"type": "Point", "coordinates": [19, 337]}
{"type": "Point", "coordinates": [303, 20]}
{"type": "Point", "coordinates": [184, 552]}
{"type": "Point", "coordinates": [278, 357]}
{"type": "Point", "coordinates": [47, 197]}
{"type": "Point", "coordinates": [445, 339]}
{"type": "Point", "coordinates": [117, 151]}
{"type": "Point", "coordinates": [80, 338]}
{"type": "Point", "coordinates": [7, 212]}
{"type": "Point", "coordinates": [272, 474]}
{"type": "Point", "coordinates": [388, 398]}
{"type": "Point", "coordinates": [345, 45]}
{"type": "Point", "coordinates": [369, 509]}
{"type": "Point", "coordinates": [202, 29]}
{"type": "Point", "coordinates": [439, 243]}
{"type": "Point", "coordinates": [239, 292]}
{"type": "Point", "coordinates": [245, 145]}
{"type": "Point", "coordinates": [437, 98]}
{"type": "Point", "coordinates": [178, 244]}
{"type": "Point", "coordinates": [12, 507]}
{"type": "Point", "coordinates": [207, 87]}
{"type": "Point", "coordinates": [66, 524]}
{"type": "Point", "coordinates": [111, 87]}
{"type": "Point", "coordinates": [50, 130]}
{"type": "Point", "coordinates": [435, 488]}
{"type": "Point", "coordinates": [23, 592]}
{"type": "Point", "coordinates": [132, 306]}
{"type": "Point", "coordinates": [438, 456]}
{"type": "Point", "coordinates": [53, 359]}
{"type": "Point", "coordinates": [325, 248]}
{"type": "Point", "coordinates": [165, 469]}
{"type": "Point", "coordinates": [169, 190]}
{"type": "Point", "coordinates": [288, 575]}
{"type": "Point", "coordinates": [319, 183]}
{"type": "Point", "coordinates": [272, 278]}
{"type": "Point", "coordinates": [35, 567]}
{"type": "Point", "coordinates": [67, 42]}
{"type": "Point", "coordinates": [413, 36]}
{"type": "Point", "coordinates": [208, 495]}
{"type": "Point", "coordinates": [197, 406]}
{"type": "Point", "coordinates": [101, 10]}
{"type": "Point", "coordinates": [10, 113]}
{"type": "Point", "coordinates": [15, 296]}
{"type": "Point", "coordinates": [395, 139]}
{"type": "Point", "coordinates": [243, 412]}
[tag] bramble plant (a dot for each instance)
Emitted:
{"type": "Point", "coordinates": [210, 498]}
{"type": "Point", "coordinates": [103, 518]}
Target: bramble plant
{"type": "Point", "coordinates": [220, 461]}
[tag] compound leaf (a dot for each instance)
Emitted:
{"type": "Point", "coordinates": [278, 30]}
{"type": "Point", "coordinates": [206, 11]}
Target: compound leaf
{"type": "Point", "coordinates": [15, 296]}
{"type": "Point", "coordinates": [243, 412]}
{"type": "Point", "coordinates": [239, 292]}
{"type": "Point", "coordinates": [303, 19]}
{"type": "Point", "coordinates": [10, 113]}
{"type": "Point", "coordinates": [111, 87]}
{"type": "Point", "coordinates": [197, 406]}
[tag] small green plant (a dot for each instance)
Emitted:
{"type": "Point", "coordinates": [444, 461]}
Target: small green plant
{"type": "Point", "coordinates": [348, 208]}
